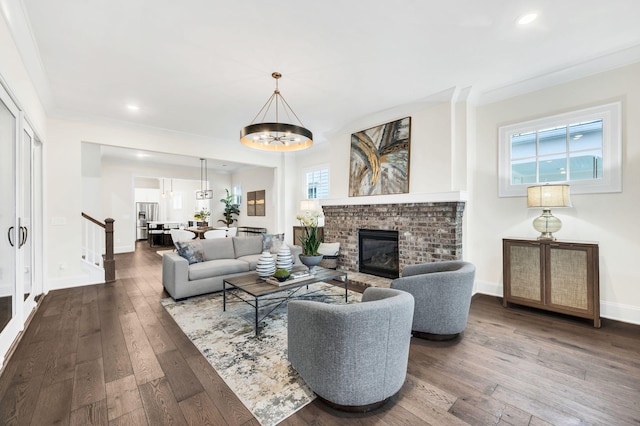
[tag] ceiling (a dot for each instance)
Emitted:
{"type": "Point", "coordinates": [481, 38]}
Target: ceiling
{"type": "Point", "coordinates": [204, 66]}
{"type": "Point", "coordinates": [159, 159]}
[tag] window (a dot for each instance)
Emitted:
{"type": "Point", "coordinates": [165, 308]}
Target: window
{"type": "Point", "coordinates": [581, 148]}
{"type": "Point", "coordinates": [317, 183]}
{"type": "Point", "coordinates": [237, 194]}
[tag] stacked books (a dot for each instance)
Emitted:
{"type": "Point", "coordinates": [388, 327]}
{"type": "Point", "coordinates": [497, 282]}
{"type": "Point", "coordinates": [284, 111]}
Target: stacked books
{"type": "Point", "coordinates": [301, 274]}
{"type": "Point", "coordinates": [293, 278]}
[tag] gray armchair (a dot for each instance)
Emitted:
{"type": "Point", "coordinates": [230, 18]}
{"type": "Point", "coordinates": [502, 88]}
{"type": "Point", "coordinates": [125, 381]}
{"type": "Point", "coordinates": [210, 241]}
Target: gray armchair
{"type": "Point", "coordinates": [354, 357]}
{"type": "Point", "coordinates": [442, 291]}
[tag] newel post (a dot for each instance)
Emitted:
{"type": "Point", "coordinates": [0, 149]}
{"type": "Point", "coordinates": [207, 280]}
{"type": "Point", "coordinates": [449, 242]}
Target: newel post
{"type": "Point", "coordinates": [109, 261]}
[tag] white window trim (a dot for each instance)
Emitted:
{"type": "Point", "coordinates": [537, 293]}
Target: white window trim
{"type": "Point", "coordinates": [611, 115]}
{"type": "Point", "coordinates": [314, 169]}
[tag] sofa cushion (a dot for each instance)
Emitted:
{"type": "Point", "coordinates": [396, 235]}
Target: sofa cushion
{"type": "Point", "coordinates": [251, 259]}
{"type": "Point", "coordinates": [329, 249]}
{"type": "Point", "coordinates": [218, 248]}
{"type": "Point", "coordinates": [217, 267]}
{"type": "Point", "coordinates": [190, 250]}
{"type": "Point", "coordinates": [244, 246]}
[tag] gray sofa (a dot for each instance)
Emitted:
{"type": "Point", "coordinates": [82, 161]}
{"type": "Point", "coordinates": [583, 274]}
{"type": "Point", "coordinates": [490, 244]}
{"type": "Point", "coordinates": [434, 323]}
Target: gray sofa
{"type": "Point", "coordinates": [224, 257]}
{"type": "Point", "coordinates": [352, 356]}
{"type": "Point", "coordinates": [442, 291]}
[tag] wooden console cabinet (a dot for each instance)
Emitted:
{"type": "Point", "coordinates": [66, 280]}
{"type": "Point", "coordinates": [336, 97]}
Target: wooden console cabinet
{"type": "Point", "coordinates": [552, 275]}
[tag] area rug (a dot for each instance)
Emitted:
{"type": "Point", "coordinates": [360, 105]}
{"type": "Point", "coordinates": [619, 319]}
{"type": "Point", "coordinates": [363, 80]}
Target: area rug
{"type": "Point", "coordinates": [162, 252]}
{"type": "Point", "coordinates": [255, 368]}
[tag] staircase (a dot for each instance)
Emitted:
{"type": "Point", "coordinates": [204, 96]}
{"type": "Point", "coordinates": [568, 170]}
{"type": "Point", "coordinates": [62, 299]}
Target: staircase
{"type": "Point", "coordinates": [97, 247]}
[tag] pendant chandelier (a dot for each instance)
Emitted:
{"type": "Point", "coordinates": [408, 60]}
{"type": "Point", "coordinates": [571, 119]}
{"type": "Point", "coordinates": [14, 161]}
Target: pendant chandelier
{"type": "Point", "coordinates": [204, 193]}
{"type": "Point", "coordinates": [276, 136]}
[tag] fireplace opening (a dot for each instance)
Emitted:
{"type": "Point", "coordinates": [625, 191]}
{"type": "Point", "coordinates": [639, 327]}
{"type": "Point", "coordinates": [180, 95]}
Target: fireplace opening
{"type": "Point", "coordinates": [378, 253]}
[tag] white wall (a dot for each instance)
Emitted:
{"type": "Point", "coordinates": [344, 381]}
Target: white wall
{"type": "Point", "coordinates": [454, 147]}
{"type": "Point", "coordinates": [257, 179]}
{"type": "Point", "coordinates": [118, 187]}
{"type": "Point", "coordinates": [432, 165]}
{"type": "Point", "coordinates": [13, 72]}
{"type": "Point", "coordinates": [92, 181]}
{"type": "Point", "coordinates": [610, 219]}
{"type": "Point", "coordinates": [64, 179]}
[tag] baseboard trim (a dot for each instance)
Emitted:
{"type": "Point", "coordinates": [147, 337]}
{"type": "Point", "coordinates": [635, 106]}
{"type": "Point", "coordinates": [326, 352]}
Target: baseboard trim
{"type": "Point", "coordinates": [610, 310]}
{"type": "Point", "coordinates": [70, 282]}
{"type": "Point", "coordinates": [620, 312]}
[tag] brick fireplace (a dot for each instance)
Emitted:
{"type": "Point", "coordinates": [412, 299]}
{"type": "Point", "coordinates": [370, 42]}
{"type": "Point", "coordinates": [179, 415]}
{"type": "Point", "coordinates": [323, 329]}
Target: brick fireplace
{"type": "Point", "coordinates": [427, 231]}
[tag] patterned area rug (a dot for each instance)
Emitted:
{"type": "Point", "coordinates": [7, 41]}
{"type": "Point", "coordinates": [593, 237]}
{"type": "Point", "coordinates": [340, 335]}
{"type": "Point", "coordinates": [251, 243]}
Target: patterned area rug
{"type": "Point", "coordinates": [255, 368]}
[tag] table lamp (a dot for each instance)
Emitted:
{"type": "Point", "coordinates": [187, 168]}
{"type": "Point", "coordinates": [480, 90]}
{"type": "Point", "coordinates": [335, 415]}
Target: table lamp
{"type": "Point", "coordinates": [548, 196]}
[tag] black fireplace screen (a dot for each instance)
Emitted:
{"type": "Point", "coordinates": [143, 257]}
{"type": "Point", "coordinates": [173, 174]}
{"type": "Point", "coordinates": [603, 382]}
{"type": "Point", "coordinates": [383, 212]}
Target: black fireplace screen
{"type": "Point", "coordinates": [378, 253]}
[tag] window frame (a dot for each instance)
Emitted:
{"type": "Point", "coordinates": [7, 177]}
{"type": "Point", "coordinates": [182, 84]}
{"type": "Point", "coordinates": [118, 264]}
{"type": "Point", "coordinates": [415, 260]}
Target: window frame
{"type": "Point", "coordinates": [611, 116]}
{"type": "Point", "coordinates": [314, 169]}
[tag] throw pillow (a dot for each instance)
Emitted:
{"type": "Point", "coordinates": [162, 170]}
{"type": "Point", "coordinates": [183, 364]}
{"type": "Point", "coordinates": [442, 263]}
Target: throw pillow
{"type": "Point", "coordinates": [329, 249]}
{"type": "Point", "coordinates": [190, 250]}
{"type": "Point", "coordinates": [272, 242]}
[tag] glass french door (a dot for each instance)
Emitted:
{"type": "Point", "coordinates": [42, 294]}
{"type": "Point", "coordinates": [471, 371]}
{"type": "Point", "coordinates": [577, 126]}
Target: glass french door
{"type": "Point", "coordinates": [30, 157]}
{"type": "Point", "coordinates": [20, 220]}
{"type": "Point", "coordinates": [9, 117]}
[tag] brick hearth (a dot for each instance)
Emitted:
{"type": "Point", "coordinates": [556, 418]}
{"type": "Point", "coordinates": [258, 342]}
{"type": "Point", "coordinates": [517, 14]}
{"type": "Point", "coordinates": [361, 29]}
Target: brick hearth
{"type": "Point", "coordinates": [427, 232]}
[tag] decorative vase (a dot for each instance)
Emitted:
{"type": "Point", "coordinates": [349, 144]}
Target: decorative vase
{"type": "Point", "coordinates": [266, 265]}
{"type": "Point", "coordinates": [310, 261]}
{"type": "Point", "coordinates": [284, 258]}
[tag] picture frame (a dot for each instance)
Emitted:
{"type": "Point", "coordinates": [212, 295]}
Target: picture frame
{"type": "Point", "coordinates": [379, 159]}
{"type": "Point", "coordinates": [260, 203]}
{"type": "Point", "coordinates": [256, 203]}
{"type": "Point", "coordinates": [251, 203]}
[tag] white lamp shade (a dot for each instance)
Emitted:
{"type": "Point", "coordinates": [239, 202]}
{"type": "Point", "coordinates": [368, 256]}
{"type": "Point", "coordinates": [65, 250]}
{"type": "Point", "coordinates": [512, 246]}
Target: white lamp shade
{"type": "Point", "coordinates": [547, 196]}
{"type": "Point", "coordinates": [308, 205]}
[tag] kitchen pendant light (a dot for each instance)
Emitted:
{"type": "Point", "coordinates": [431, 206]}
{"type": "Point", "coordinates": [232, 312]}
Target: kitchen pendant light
{"type": "Point", "coordinates": [276, 136]}
{"type": "Point", "coordinates": [204, 193]}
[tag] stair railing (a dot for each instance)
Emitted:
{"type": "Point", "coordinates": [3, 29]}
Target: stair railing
{"type": "Point", "coordinates": [97, 245]}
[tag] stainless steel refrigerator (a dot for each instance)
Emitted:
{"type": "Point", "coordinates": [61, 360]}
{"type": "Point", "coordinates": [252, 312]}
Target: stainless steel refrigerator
{"type": "Point", "coordinates": [147, 212]}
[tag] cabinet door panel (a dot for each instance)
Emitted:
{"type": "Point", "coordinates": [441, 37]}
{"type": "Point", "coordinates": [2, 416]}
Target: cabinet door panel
{"type": "Point", "coordinates": [525, 272]}
{"type": "Point", "coordinates": [568, 278]}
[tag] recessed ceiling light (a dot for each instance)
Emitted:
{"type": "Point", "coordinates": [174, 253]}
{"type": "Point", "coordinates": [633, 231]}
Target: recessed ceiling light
{"type": "Point", "coordinates": [132, 107]}
{"type": "Point", "coordinates": [527, 19]}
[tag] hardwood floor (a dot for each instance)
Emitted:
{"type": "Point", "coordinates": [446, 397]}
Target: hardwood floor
{"type": "Point", "coordinates": [110, 354]}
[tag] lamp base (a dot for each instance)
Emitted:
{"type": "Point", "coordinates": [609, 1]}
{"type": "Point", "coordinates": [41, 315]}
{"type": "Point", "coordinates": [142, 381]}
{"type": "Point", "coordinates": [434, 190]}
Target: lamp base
{"type": "Point", "coordinates": [547, 224]}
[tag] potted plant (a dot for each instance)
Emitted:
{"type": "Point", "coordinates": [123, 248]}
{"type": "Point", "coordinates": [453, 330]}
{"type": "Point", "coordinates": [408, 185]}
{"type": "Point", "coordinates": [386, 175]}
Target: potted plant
{"type": "Point", "coordinates": [202, 216]}
{"type": "Point", "coordinates": [309, 239]}
{"type": "Point", "coordinates": [281, 275]}
{"type": "Point", "coordinates": [229, 209]}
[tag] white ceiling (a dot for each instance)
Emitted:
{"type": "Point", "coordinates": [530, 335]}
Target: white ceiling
{"type": "Point", "coordinates": [204, 66]}
{"type": "Point", "coordinates": [159, 159]}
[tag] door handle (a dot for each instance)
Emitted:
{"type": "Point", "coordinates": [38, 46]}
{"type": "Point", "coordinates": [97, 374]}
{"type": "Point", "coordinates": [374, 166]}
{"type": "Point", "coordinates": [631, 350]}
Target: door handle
{"type": "Point", "coordinates": [9, 236]}
{"type": "Point", "coordinates": [24, 233]}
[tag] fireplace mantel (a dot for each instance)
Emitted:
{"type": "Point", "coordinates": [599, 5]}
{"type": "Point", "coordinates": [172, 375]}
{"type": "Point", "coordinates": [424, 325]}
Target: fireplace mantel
{"type": "Point", "coordinates": [434, 197]}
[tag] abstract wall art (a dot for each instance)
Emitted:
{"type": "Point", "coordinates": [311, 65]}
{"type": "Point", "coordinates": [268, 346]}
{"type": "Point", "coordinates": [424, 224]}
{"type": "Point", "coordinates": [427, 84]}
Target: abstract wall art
{"type": "Point", "coordinates": [380, 159]}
